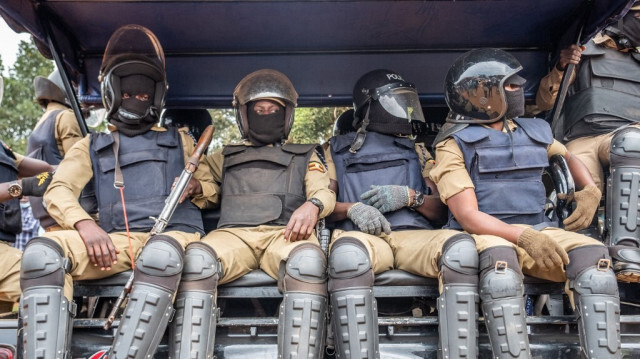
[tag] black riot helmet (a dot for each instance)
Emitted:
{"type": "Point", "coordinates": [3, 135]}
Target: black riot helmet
{"type": "Point", "coordinates": [50, 88]}
{"type": "Point", "coordinates": [344, 123]}
{"type": "Point", "coordinates": [474, 85]}
{"type": "Point", "coordinates": [196, 120]}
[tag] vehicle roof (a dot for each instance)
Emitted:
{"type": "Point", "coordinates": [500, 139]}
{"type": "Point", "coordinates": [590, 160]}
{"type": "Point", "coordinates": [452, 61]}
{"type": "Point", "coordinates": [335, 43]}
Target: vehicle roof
{"type": "Point", "coordinates": [323, 46]}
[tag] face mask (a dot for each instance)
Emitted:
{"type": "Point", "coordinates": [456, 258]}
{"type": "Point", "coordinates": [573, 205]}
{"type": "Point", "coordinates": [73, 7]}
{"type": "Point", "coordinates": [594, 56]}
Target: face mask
{"type": "Point", "coordinates": [631, 28]}
{"type": "Point", "coordinates": [515, 103]}
{"type": "Point", "coordinates": [382, 121]}
{"type": "Point", "coordinates": [136, 116]}
{"type": "Point", "coordinates": [265, 129]}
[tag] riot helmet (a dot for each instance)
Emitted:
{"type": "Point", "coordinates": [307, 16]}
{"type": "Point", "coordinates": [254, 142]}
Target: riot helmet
{"type": "Point", "coordinates": [133, 64]}
{"type": "Point", "coordinates": [195, 119]}
{"type": "Point", "coordinates": [344, 123]}
{"type": "Point", "coordinates": [474, 85]}
{"type": "Point", "coordinates": [384, 102]}
{"type": "Point", "coordinates": [272, 86]}
{"type": "Point", "coordinates": [50, 89]}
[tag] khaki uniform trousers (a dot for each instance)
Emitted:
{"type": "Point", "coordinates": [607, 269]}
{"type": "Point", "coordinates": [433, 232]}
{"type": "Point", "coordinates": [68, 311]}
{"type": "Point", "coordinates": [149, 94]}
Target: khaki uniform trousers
{"type": "Point", "coordinates": [244, 249]}
{"type": "Point", "coordinates": [594, 151]}
{"type": "Point", "coordinates": [81, 267]}
{"type": "Point", "coordinates": [9, 273]}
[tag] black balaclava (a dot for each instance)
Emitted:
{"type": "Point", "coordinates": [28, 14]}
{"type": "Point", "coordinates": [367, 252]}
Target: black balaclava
{"type": "Point", "coordinates": [631, 28]}
{"type": "Point", "coordinates": [382, 121]}
{"type": "Point", "coordinates": [515, 103]}
{"type": "Point", "coordinates": [135, 117]}
{"type": "Point", "coordinates": [265, 129]}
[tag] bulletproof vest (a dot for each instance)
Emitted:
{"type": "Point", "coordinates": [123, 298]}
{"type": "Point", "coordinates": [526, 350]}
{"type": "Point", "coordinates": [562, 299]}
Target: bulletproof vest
{"type": "Point", "coordinates": [507, 174]}
{"type": "Point", "coordinates": [149, 164]}
{"type": "Point", "coordinates": [10, 215]}
{"type": "Point", "coordinates": [382, 160]}
{"type": "Point", "coordinates": [605, 94]}
{"type": "Point", "coordinates": [263, 185]}
{"type": "Point", "coordinates": [41, 145]}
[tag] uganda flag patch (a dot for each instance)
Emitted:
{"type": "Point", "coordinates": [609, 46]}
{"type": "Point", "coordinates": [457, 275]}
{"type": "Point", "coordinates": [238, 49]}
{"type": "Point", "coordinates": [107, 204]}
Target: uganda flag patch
{"type": "Point", "coordinates": [316, 166]}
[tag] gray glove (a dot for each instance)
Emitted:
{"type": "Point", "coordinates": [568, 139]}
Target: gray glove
{"type": "Point", "coordinates": [387, 198]}
{"type": "Point", "coordinates": [368, 219]}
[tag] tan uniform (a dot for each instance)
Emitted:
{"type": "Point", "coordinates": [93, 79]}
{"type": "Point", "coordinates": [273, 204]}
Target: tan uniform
{"type": "Point", "coordinates": [263, 247]}
{"type": "Point", "coordinates": [67, 132]}
{"type": "Point", "coordinates": [451, 177]}
{"type": "Point", "coordinates": [72, 175]}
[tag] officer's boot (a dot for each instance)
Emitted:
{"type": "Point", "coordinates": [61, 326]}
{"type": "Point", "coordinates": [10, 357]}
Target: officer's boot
{"type": "Point", "coordinates": [502, 295]}
{"type": "Point", "coordinates": [47, 315]}
{"type": "Point", "coordinates": [193, 330]}
{"type": "Point", "coordinates": [302, 319]}
{"type": "Point", "coordinates": [156, 277]}
{"type": "Point", "coordinates": [458, 302]}
{"type": "Point", "coordinates": [355, 316]}
{"type": "Point", "coordinates": [596, 299]}
{"type": "Point", "coordinates": [623, 192]}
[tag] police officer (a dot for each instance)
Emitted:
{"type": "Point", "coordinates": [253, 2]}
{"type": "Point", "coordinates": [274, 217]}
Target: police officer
{"type": "Point", "coordinates": [133, 167]}
{"type": "Point", "coordinates": [600, 120]}
{"type": "Point", "coordinates": [489, 174]}
{"type": "Point", "coordinates": [387, 211]}
{"type": "Point", "coordinates": [272, 194]}
{"type": "Point", "coordinates": [54, 134]}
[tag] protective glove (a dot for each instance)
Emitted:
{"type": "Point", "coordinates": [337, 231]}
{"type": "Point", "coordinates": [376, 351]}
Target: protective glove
{"type": "Point", "coordinates": [387, 198]}
{"type": "Point", "coordinates": [36, 185]}
{"type": "Point", "coordinates": [587, 202]}
{"type": "Point", "coordinates": [368, 219]}
{"type": "Point", "coordinates": [544, 250]}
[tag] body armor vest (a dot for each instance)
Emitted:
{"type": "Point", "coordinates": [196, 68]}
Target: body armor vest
{"type": "Point", "coordinates": [263, 185]}
{"type": "Point", "coordinates": [10, 214]}
{"type": "Point", "coordinates": [507, 172]}
{"type": "Point", "coordinates": [149, 164]}
{"type": "Point", "coordinates": [41, 145]}
{"type": "Point", "coordinates": [382, 160]}
{"type": "Point", "coordinates": [605, 94]}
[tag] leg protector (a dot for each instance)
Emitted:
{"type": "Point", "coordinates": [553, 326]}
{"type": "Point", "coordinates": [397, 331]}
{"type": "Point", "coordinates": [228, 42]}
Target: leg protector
{"type": "Point", "coordinates": [354, 309]}
{"type": "Point", "coordinates": [597, 302]}
{"type": "Point", "coordinates": [501, 292]}
{"type": "Point", "coordinates": [458, 302]}
{"type": "Point", "coordinates": [302, 319]}
{"type": "Point", "coordinates": [145, 318]}
{"type": "Point", "coordinates": [193, 330]}
{"type": "Point", "coordinates": [47, 315]}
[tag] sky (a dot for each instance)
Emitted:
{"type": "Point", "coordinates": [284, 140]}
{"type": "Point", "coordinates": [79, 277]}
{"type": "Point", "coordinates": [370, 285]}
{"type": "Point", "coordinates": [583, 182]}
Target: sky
{"type": "Point", "coordinates": [9, 45]}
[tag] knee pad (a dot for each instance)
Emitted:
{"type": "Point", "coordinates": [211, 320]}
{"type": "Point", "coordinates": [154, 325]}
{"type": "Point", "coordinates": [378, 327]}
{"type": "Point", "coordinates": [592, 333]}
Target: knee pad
{"type": "Point", "coordinates": [43, 263]}
{"type": "Point", "coordinates": [160, 263]}
{"type": "Point", "coordinates": [589, 271]}
{"type": "Point", "coordinates": [585, 257]}
{"type": "Point", "coordinates": [304, 270]}
{"type": "Point", "coordinates": [501, 276]}
{"type": "Point", "coordinates": [202, 268]}
{"type": "Point", "coordinates": [349, 265]}
{"type": "Point", "coordinates": [624, 150]}
{"type": "Point", "coordinates": [459, 261]}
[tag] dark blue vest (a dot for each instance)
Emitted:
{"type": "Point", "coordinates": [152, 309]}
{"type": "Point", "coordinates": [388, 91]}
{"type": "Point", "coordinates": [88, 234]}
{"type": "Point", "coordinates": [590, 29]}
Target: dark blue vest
{"type": "Point", "coordinates": [10, 215]}
{"type": "Point", "coordinates": [149, 164]}
{"type": "Point", "coordinates": [507, 178]}
{"type": "Point", "coordinates": [382, 160]}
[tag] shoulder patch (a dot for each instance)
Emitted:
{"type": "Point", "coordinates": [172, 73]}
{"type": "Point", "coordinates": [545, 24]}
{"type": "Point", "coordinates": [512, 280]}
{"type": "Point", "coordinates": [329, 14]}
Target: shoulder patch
{"type": "Point", "coordinates": [317, 166]}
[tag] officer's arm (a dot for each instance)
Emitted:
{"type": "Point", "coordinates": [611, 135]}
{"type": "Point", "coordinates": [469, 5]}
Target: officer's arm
{"type": "Point", "coordinates": [29, 167]}
{"type": "Point", "coordinates": [550, 84]}
{"type": "Point", "coordinates": [67, 130]}
{"type": "Point", "coordinates": [202, 189]}
{"type": "Point", "coordinates": [581, 175]}
{"type": "Point", "coordinates": [432, 208]}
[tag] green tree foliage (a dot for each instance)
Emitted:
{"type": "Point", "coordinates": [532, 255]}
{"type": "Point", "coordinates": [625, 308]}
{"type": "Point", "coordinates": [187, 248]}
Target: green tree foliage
{"type": "Point", "coordinates": [19, 111]}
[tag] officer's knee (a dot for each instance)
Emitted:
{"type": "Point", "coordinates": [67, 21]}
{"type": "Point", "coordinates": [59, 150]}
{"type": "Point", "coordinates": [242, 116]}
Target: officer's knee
{"type": "Point", "coordinates": [202, 268]}
{"type": "Point", "coordinates": [43, 263]}
{"type": "Point", "coordinates": [305, 270]}
{"type": "Point", "coordinates": [500, 274]}
{"type": "Point", "coordinates": [621, 154]}
{"type": "Point", "coordinates": [160, 263]}
{"type": "Point", "coordinates": [459, 260]}
{"type": "Point", "coordinates": [349, 265]}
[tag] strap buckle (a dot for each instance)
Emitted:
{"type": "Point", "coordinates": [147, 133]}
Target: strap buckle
{"type": "Point", "coordinates": [501, 267]}
{"type": "Point", "coordinates": [603, 265]}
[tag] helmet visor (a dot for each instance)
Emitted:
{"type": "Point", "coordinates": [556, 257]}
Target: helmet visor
{"type": "Point", "coordinates": [133, 42]}
{"type": "Point", "coordinates": [402, 102]}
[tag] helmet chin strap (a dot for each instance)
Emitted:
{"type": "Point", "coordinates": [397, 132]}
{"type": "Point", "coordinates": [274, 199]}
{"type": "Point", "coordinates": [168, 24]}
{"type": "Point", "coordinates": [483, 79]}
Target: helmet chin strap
{"type": "Point", "coordinates": [361, 134]}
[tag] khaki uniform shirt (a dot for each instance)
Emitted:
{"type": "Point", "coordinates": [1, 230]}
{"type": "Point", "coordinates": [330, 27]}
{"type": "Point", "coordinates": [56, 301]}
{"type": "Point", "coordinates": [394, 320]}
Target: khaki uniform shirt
{"type": "Point", "coordinates": [316, 180]}
{"type": "Point", "coordinates": [450, 173]}
{"type": "Point", "coordinates": [67, 132]}
{"type": "Point", "coordinates": [75, 171]}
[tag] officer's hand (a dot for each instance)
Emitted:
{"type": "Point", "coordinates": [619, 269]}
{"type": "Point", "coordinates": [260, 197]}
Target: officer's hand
{"type": "Point", "coordinates": [587, 202]}
{"type": "Point", "coordinates": [193, 189]}
{"type": "Point", "coordinates": [302, 222]}
{"type": "Point", "coordinates": [570, 55]}
{"type": "Point", "coordinates": [387, 198]}
{"type": "Point", "coordinates": [369, 219]}
{"type": "Point", "coordinates": [100, 248]}
{"type": "Point", "coordinates": [36, 185]}
{"type": "Point", "coordinates": [544, 250]}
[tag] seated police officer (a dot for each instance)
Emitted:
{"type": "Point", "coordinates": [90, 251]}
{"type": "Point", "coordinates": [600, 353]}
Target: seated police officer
{"type": "Point", "coordinates": [133, 167]}
{"type": "Point", "coordinates": [386, 220]}
{"type": "Point", "coordinates": [489, 172]}
{"type": "Point", "coordinates": [272, 194]}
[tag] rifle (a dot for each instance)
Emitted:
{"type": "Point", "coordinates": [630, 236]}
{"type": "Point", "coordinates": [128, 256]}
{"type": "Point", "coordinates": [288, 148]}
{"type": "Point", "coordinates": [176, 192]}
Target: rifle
{"type": "Point", "coordinates": [167, 211]}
